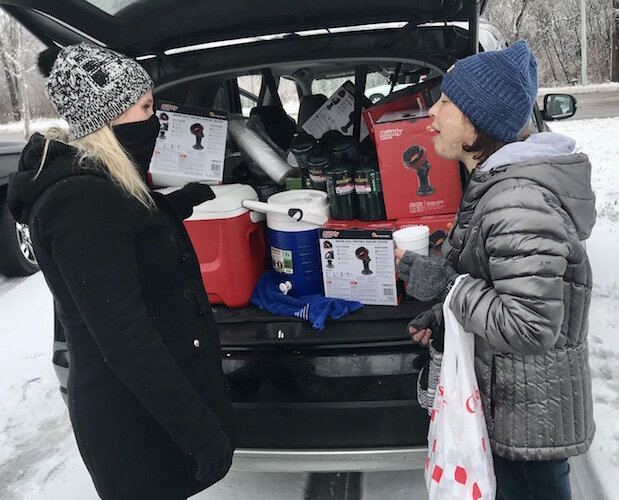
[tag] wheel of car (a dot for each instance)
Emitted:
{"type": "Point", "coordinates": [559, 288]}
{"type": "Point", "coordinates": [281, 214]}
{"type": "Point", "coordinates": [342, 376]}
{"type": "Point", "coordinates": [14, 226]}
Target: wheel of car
{"type": "Point", "coordinates": [16, 251]}
{"type": "Point", "coordinates": [374, 98]}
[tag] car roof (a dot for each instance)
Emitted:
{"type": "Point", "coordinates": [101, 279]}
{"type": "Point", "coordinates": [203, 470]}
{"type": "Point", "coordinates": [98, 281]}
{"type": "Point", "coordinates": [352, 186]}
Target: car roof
{"type": "Point", "coordinates": [143, 27]}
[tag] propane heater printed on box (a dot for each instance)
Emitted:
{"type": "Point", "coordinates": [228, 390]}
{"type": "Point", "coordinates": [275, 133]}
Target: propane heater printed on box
{"type": "Point", "coordinates": [416, 159]}
{"type": "Point", "coordinates": [163, 125]}
{"type": "Point", "coordinates": [197, 129]}
{"type": "Point", "coordinates": [363, 254]}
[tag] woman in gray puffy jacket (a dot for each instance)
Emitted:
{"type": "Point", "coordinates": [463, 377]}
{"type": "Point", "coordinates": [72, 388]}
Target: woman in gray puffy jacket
{"type": "Point", "coordinates": [525, 212]}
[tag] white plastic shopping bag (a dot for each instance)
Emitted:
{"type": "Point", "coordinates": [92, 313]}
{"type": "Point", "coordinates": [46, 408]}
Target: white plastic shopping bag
{"type": "Point", "coordinates": [459, 464]}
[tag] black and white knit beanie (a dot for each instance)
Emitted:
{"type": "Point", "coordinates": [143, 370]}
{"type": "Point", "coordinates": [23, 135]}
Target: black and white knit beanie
{"type": "Point", "coordinates": [90, 86]}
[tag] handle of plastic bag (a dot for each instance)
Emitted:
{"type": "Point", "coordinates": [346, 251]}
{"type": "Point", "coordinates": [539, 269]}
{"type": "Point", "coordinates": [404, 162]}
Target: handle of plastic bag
{"type": "Point", "coordinates": [458, 350]}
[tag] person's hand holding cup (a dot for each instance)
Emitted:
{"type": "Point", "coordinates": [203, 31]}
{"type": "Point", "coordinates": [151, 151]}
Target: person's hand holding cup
{"type": "Point", "coordinates": [413, 238]}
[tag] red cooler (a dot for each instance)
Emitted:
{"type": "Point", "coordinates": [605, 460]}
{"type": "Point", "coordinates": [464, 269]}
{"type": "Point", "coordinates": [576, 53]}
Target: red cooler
{"type": "Point", "coordinates": [229, 242]}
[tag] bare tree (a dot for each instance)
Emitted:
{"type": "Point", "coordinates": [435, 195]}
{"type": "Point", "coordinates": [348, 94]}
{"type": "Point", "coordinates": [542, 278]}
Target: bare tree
{"type": "Point", "coordinates": [615, 42]}
{"type": "Point", "coordinates": [519, 17]}
{"type": "Point", "coordinates": [24, 85]}
{"type": "Point", "coordinates": [8, 28]}
{"type": "Point", "coordinates": [553, 31]}
{"type": "Point", "coordinates": [18, 71]}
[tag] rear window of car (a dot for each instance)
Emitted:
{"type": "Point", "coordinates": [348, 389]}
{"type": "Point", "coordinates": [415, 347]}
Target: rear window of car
{"type": "Point", "coordinates": [116, 7]}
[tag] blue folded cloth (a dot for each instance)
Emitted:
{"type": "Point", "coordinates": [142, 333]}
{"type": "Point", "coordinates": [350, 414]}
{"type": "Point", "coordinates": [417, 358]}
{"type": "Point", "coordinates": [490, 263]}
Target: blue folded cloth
{"type": "Point", "coordinates": [314, 308]}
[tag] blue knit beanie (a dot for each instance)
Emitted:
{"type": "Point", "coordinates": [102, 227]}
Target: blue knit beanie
{"type": "Point", "coordinates": [496, 90]}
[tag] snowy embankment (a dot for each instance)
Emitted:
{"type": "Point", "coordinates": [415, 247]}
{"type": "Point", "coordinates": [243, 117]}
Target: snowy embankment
{"type": "Point", "coordinates": [598, 138]}
{"type": "Point", "coordinates": [36, 125]}
{"type": "Point", "coordinates": [579, 89]}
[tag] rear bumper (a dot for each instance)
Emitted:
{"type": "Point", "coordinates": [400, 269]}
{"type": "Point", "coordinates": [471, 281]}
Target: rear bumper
{"type": "Point", "coordinates": [330, 461]}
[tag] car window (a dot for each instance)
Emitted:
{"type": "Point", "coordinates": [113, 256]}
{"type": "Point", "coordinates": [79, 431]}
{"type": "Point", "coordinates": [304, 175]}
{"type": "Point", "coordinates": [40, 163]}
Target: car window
{"type": "Point", "coordinates": [250, 83]}
{"type": "Point", "coordinates": [111, 7]}
{"type": "Point", "coordinates": [209, 95]}
{"type": "Point", "coordinates": [328, 86]}
{"type": "Point", "coordinates": [378, 83]}
{"type": "Point", "coordinates": [249, 88]}
{"type": "Point", "coordinates": [375, 83]}
{"type": "Point", "coordinates": [247, 104]}
{"type": "Point", "coordinates": [289, 95]}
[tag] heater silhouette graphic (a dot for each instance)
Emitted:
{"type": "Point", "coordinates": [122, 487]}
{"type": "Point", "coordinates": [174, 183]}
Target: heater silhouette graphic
{"type": "Point", "coordinates": [363, 255]}
{"type": "Point", "coordinates": [329, 257]}
{"type": "Point", "coordinates": [351, 117]}
{"type": "Point", "coordinates": [335, 100]}
{"type": "Point", "coordinates": [332, 103]}
{"type": "Point", "coordinates": [415, 158]}
{"type": "Point", "coordinates": [198, 130]}
{"type": "Point", "coordinates": [163, 125]}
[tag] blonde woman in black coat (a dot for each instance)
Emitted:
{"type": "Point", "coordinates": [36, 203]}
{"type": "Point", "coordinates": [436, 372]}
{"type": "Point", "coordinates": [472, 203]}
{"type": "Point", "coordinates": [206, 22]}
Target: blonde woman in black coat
{"type": "Point", "coordinates": [147, 396]}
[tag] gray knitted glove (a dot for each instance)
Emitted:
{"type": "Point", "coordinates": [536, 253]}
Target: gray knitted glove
{"type": "Point", "coordinates": [432, 319]}
{"type": "Point", "coordinates": [427, 277]}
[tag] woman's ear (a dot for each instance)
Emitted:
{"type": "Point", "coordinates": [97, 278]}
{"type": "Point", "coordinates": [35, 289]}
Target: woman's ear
{"type": "Point", "coordinates": [471, 131]}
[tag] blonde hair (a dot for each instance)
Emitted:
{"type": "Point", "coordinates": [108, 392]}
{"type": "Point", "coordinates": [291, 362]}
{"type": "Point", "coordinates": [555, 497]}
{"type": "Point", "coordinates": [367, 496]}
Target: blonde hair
{"type": "Point", "coordinates": [102, 147]}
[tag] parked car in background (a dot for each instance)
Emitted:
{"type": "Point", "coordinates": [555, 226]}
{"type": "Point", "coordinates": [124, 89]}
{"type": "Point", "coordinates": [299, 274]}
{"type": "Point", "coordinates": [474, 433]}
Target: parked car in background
{"type": "Point", "coordinates": [375, 94]}
{"type": "Point", "coordinates": [342, 399]}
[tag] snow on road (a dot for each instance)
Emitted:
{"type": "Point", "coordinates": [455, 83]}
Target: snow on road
{"type": "Point", "coordinates": [38, 456]}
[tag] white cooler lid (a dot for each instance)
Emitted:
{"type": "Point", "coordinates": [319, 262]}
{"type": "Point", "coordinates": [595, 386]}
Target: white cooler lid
{"type": "Point", "coordinates": [308, 200]}
{"type": "Point", "coordinates": [227, 203]}
{"type": "Point", "coordinates": [305, 199]}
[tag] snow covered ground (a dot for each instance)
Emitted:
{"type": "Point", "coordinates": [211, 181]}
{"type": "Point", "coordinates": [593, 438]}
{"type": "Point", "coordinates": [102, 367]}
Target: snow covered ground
{"type": "Point", "coordinates": [38, 456]}
{"type": "Point", "coordinates": [599, 138]}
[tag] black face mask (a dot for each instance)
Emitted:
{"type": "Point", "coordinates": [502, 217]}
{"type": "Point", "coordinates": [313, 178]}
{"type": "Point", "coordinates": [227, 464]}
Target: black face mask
{"type": "Point", "coordinates": [138, 139]}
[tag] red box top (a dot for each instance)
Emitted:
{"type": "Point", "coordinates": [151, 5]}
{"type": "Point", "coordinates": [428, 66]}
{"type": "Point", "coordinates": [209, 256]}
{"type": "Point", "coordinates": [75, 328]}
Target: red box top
{"type": "Point", "coordinates": [407, 114]}
{"type": "Point", "coordinates": [359, 224]}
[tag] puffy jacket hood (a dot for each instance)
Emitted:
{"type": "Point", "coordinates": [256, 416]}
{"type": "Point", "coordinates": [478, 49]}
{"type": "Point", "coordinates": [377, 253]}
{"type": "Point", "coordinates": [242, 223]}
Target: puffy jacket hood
{"type": "Point", "coordinates": [548, 160]}
{"type": "Point", "coordinates": [539, 145]}
{"type": "Point", "coordinates": [25, 187]}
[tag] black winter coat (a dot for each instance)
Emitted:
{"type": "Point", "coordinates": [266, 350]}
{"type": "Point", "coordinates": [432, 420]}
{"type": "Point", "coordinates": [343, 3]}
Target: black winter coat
{"type": "Point", "coordinates": [146, 388]}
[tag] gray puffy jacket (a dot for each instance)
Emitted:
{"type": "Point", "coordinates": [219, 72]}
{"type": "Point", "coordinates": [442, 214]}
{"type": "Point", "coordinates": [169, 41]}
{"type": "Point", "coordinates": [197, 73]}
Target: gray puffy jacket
{"type": "Point", "coordinates": [518, 234]}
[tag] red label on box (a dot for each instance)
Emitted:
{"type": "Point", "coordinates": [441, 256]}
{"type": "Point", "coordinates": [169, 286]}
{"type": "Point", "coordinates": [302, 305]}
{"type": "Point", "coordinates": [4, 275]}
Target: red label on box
{"type": "Point", "coordinates": [387, 225]}
{"type": "Point", "coordinates": [416, 180]}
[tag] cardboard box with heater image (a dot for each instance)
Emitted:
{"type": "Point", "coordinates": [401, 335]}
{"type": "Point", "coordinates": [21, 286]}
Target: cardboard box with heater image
{"type": "Point", "coordinates": [358, 261]}
{"type": "Point", "coordinates": [416, 180]}
{"type": "Point", "coordinates": [337, 113]}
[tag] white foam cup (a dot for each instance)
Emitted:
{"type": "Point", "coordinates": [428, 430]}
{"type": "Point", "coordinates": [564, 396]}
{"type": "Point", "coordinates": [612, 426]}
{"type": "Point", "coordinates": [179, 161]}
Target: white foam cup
{"type": "Point", "coordinates": [413, 238]}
